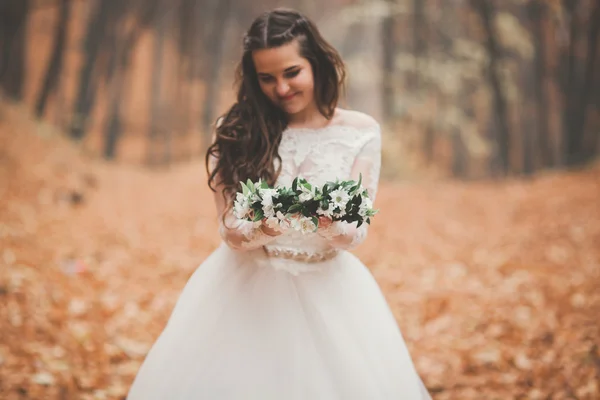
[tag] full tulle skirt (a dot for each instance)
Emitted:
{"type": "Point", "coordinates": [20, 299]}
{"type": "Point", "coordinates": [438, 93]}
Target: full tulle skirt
{"type": "Point", "coordinates": [248, 326]}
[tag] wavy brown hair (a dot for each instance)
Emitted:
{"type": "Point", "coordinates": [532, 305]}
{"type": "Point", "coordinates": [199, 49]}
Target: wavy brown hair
{"type": "Point", "coordinates": [247, 136]}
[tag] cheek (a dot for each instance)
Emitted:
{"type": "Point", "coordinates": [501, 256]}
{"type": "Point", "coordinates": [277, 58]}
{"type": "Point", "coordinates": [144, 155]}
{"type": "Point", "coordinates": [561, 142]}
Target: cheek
{"type": "Point", "coordinates": [267, 89]}
{"type": "Point", "coordinates": [305, 81]}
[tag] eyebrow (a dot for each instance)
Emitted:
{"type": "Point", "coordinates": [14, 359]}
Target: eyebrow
{"type": "Point", "coordinates": [286, 70]}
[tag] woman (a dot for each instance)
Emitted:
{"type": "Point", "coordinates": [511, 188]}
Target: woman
{"type": "Point", "coordinates": [272, 313]}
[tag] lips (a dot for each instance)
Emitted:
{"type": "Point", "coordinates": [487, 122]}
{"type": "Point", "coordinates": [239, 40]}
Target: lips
{"type": "Point", "coordinates": [288, 98]}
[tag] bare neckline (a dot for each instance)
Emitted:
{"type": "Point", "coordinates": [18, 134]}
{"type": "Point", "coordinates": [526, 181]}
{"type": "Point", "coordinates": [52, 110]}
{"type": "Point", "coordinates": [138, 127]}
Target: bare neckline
{"type": "Point", "coordinates": [308, 129]}
{"type": "Point", "coordinates": [338, 113]}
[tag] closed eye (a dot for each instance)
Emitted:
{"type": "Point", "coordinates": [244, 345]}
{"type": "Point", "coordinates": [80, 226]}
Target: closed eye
{"type": "Point", "coordinates": [287, 75]}
{"type": "Point", "coordinates": [266, 78]}
{"type": "Point", "coordinates": [292, 74]}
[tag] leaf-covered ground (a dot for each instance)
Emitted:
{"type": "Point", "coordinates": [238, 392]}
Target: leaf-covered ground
{"type": "Point", "coordinates": [494, 285]}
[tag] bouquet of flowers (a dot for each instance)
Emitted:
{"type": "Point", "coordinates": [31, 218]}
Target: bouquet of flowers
{"type": "Point", "coordinates": [300, 206]}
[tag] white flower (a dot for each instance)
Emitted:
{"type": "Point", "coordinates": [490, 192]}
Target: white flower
{"type": "Point", "coordinates": [278, 221]}
{"type": "Point", "coordinates": [248, 228]}
{"type": "Point", "coordinates": [241, 207]}
{"type": "Point", "coordinates": [240, 197]}
{"type": "Point", "coordinates": [267, 196]}
{"type": "Point", "coordinates": [307, 194]}
{"type": "Point", "coordinates": [268, 211]}
{"type": "Point", "coordinates": [365, 206]}
{"type": "Point", "coordinates": [326, 212]}
{"type": "Point", "coordinates": [304, 225]}
{"type": "Point", "coordinates": [284, 223]}
{"type": "Point", "coordinates": [340, 198]}
{"type": "Point", "coordinates": [307, 225]}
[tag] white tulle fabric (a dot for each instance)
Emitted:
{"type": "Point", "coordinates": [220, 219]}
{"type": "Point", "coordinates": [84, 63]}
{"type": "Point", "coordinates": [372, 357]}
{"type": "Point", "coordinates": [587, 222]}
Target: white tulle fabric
{"type": "Point", "coordinates": [252, 326]}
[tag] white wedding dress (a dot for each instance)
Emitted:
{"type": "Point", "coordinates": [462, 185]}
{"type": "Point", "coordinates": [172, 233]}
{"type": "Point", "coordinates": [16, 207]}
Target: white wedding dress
{"type": "Point", "coordinates": [291, 317]}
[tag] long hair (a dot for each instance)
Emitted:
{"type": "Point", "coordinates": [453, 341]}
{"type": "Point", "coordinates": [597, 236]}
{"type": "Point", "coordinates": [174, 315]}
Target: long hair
{"type": "Point", "coordinates": [247, 136]}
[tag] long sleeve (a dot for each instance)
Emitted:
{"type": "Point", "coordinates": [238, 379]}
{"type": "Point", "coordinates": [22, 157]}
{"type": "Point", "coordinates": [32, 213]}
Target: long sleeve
{"type": "Point", "coordinates": [237, 234]}
{"type": "Point", "coordinates": [367, 163]}
{"type": "Point", "coordinates": [242, 235]}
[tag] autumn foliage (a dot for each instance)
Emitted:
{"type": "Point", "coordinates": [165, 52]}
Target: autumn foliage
{"type": "Point", "coordinates": [494, 284]}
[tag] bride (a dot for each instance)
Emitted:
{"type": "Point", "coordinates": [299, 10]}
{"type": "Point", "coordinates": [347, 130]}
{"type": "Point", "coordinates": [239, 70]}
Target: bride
{"type": "Point", "coordinates": [274, 314]}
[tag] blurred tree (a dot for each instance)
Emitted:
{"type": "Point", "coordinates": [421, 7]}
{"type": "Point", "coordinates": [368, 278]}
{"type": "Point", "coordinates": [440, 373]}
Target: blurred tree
{"type": "Point", "coordinates": [214, 54]}
{"type": "Point", "coordinates": [569, 85]}
{"type": "Point", "coordinates": [188, 35]}
{"type": "Point", "coordinates": [89, 73]}
{"type": "Point", "coordinates": [419, 25]}
{"type": "Point", "coordinates": [13, 45]}
{"type": "Point", "coordinates": [577, 68]}
{"type": "Point", "coordinates": [460, 154]}
{"type": "Point", "coordinates": [124, 38]}
{"type": "Point", "coordinates": [54, 69]}
{"type": "Point", "coordinates": [587, 144]}
{"type": "Point", "coordinates": [388, 39]}
{"type": "Point", "coordinates": [501, 162]}
{"type": "Point", "coordinates": [537, 13]}
{"type": "Point", "coordinates": [512, 85]}
{"type": "Point", "coordinates": [157, 115]}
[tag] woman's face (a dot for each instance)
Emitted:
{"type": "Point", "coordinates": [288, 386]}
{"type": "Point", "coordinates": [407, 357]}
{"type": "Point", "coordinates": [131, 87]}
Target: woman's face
{"type": "Point", "coordinates": [285, 77]}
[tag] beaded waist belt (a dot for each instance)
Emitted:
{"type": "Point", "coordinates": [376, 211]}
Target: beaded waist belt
{"type": "Point", "coordinates": [302, 256]}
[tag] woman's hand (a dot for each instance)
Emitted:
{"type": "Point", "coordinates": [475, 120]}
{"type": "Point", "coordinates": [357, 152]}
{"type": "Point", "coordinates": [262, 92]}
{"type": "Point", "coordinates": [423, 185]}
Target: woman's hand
{"type": "Point", "coordinates": [324, 222]}
{"type": "Point", "coordinates": [269, 231]}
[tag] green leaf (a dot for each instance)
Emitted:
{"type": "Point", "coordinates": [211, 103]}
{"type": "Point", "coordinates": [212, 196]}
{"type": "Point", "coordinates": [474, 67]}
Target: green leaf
{"type": "Point", "coordinates": [315, 221]}
{"type": "Point", "coordinates": [264, 185]}
{"type": "Point", "coordinates": [295, 184]}
{"type": "Point", "coordinates": [245, 189]}
{"type": "Point", "coordinates": [295, 208]}
{"type": "Point", "coordinates": [258, 215]}
{"type": "Point", "coordinates": [250, 186]}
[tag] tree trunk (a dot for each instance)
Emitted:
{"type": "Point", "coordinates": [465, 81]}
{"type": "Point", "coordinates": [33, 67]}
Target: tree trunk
{"type": "Point", "coordinates": [184, 76]}
{"type": "Point", "coordinates": [53, 72]}
{"type": "Point", "coordinates": [124, 48]}
{"type": "Point", "coordinates": [428, 144]}
{"type": "Point", "coordinates": [88, 80]}
{"type": "Point", "coordinates": [418, 40]}
{"type": "Point", "coordinates": [572, 141]}
{"type": "Point", "coordinates": [460, 155]}
{"type": "Point", "coordinates": [215, 55]}
{"type": "Point", "coordinates": [13, 32]}
{"type": "Point", "coordinates": [503, 142]}
{"type": "Point", "coordinates": [528, 139]}
{"type": "Point", "coordinates": [589, 142]}
{"type": "Point", "coordinates": [156, 111]}
{"type": "Point", "coordinates": [536, 10]}
{"type": "Point", "coordinates": [388, 39]}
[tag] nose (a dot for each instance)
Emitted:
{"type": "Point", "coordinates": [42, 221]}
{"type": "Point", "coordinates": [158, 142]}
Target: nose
{"type": "Point", "coordinates": [282, 88]}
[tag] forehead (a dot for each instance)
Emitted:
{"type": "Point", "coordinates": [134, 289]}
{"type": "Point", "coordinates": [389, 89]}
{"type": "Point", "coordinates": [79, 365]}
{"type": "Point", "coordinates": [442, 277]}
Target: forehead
{"type": "Point", "coordinates": [277, 59]}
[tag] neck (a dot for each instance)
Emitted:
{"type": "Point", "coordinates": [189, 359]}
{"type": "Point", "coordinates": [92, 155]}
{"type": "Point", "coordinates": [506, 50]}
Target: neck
{"type": "Point", "coordinates": [310, 117]}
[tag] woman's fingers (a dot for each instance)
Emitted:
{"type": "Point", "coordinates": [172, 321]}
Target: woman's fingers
{"type": "Point", "coordinates": [324, 222]}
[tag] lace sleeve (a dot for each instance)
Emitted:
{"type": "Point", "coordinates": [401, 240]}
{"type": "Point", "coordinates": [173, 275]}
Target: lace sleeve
{"type": "Point", "coordinates": [242, 235]}
{"type": "Point", "coordinates": [368, 164]}
{"type": "Point", "coordinates": [237, 234]}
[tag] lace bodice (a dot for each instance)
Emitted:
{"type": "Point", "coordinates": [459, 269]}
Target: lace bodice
{"type": "Point", "coordinates": [327, 154]}
{"type": "Point", "coordinates": [337, 151]}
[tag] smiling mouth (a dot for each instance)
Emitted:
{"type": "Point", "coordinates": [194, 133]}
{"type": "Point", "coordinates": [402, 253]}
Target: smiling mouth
{"type": "Point", "coordinates": [288, 98]}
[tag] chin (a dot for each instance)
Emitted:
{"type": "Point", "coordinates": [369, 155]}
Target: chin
{"type": "Point", "coordinates": [293, 108]}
